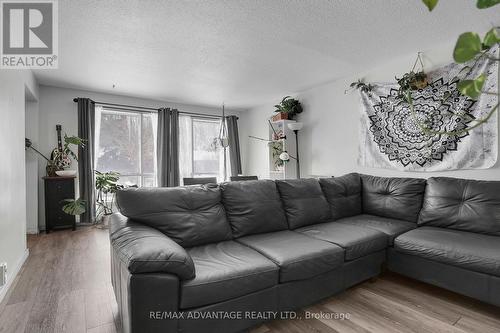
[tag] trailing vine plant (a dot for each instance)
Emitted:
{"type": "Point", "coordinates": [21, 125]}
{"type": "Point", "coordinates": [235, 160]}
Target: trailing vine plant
{"type": "Point", "coordinates": [469, 47]}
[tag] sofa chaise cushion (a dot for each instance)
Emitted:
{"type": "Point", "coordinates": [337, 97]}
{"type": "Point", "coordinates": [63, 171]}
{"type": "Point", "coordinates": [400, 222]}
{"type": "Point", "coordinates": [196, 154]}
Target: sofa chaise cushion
{"type": "Point", "coordinates": [343, 194]}
{"type": "Point", "coordinates": [224, 271]}
{"type": "Point", "coordinates": [303, 201]}
{"type": "Point", "coordinates": [298, 256]}
{"type": "Point", "coordinates": [477, 252]}
{"type": "Point", "coordinates": [253, 207]}
{"type": "Point", "coordinates": [397, 198]}
{"type": "Point", "coordinates": [191, 215]}
{"type": "Point", "coordinates": [462, 204]}
{"type": "Point", "coordinates": [391, 227]}
{"type": "Point", "coordinates": [356, 241]}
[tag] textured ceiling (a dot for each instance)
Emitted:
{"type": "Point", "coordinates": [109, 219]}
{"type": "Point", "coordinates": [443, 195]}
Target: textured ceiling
{"type": "Point", "coordinates": [242, 52]}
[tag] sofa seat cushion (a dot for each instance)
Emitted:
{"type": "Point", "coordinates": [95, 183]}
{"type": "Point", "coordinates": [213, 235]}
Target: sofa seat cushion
{"type": "Point", "coordinates": [476, 252]}
{"type": "Point", "coordinates": [356, 241]}
{"type": "Point", "coordinates": [391, 227]}
{"type": "Point", "coordinates": [298, 256]}
{"type": "Point", "coordinates": [224, 271]}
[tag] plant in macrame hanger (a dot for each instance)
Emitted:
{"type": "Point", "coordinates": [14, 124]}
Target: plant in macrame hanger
{"type": "Point", "coordinates": [222, 140]}
{"type": "Point", "coordinates": [413, 80]}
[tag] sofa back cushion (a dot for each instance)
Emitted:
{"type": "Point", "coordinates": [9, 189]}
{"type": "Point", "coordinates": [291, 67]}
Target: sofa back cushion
{"type": "Point", "coordinates": [253, 207]}
{"type": "Point", "coordinates": [343, 194]}
{"type": "Point", "coordinates": [462, 204]}
{"type": "Point", "coordinates": [191, 215]}
{"type": "Point", "coordinates": [397, 198]}
{"type": "Point", "coordinates": [304, 202]}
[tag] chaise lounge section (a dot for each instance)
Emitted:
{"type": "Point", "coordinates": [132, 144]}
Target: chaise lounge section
{"type": "Point", "coordinates": [457, 244]}
{"type": "Point", "coordinates": [211, 258]}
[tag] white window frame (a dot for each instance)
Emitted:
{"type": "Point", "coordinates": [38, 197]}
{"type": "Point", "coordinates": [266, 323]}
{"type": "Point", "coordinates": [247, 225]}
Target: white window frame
{"type": "Point", "coordinates": [203, 119]}
{"type": "Point", "coordinates": [140, 175]}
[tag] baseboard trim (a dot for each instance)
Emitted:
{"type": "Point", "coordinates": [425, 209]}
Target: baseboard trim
{"type": "Point", "coordinates": [12, 276]}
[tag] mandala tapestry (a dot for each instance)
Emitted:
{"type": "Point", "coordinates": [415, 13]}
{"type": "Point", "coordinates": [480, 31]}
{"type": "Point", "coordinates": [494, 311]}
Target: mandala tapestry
{"type": "Point", "coordinates": [391, 138]}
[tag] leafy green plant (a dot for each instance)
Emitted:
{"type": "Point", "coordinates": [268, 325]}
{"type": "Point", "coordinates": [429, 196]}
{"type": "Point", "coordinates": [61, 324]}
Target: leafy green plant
{"type": "Point", "coordinates": [430, 4]}
{"type": "Point", "coordinates": [412, 81]}
{"type": "Point", "coordinates": [360, 85]}
{"type": "Point", "coordinates": [276, 150]}
{"type": "Point", "coordinates": [106, 184]}
{"type": "Point", "coordinates": [75, 141]}
{"type": "Point", "coordinates": [469, 47]}
{"type": "Point", "coordinates": [290, 106]}
{"type": "Point", "coordinates": [74, 206]}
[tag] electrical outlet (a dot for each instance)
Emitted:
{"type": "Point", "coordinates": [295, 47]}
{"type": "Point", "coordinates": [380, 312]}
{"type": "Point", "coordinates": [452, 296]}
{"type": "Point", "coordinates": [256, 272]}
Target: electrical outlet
{"type": "Point", "coordinates": [3, 274]}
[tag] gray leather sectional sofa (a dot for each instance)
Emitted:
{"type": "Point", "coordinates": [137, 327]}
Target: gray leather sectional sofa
{"type": "Point", "coordinates": [222, 258]}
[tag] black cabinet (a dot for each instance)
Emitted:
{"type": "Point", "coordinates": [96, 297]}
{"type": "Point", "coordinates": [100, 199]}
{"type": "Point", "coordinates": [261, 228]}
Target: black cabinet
{"type": "Point", "coordinates": [58, 189]}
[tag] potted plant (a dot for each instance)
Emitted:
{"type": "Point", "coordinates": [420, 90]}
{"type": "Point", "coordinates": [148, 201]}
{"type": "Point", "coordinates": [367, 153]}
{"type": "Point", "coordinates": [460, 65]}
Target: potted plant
{"type": "Point", "coordinates": [54, 165]}
{"type": "Point", "coordinates": [413, 81]}
{"type": "Point", "coordinates": [62, 157]}
{"type": "Point", "coordinates": [287, 109]}
{"type": "Point", "coordinates": [106, 184]}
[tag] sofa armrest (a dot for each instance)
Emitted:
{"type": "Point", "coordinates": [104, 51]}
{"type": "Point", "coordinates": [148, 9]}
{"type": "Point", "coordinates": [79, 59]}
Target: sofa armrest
{"type": "Point", "coordinates": [143, 249]}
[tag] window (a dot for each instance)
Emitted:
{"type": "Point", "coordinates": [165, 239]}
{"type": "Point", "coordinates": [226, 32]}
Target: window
{"type": "Point", "coordinates": [198, 155]}
{"type": "Point", "coordinates": [126, 143]}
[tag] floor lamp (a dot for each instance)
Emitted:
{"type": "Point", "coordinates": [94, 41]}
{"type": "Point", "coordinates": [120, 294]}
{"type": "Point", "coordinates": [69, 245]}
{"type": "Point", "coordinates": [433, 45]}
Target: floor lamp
{"type": "Point", "coordinates": [295, 127]}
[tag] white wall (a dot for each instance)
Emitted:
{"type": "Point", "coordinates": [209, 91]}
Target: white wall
{"type": "Point", "coordinates": [32, 161]}
{"type": "Point", "coordinates": [13, 251]}
{"type": "Point", "coordinates": [329, 140]}
{"type": "Point", "coordinates": [57, 107]}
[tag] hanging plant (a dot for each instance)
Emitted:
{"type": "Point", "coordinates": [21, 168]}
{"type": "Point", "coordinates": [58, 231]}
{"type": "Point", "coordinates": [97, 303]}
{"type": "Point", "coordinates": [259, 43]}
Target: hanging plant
{"type": "Point", "coordinates": [413, 80]}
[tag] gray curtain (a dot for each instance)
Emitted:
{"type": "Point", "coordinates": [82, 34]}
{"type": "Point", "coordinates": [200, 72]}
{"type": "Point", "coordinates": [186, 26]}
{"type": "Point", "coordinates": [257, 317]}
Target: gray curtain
{"type": "Point", "coordinates": [234, 145]}
{"type": "Point", "coordinates": [168, 147]}
{"type": "Point", "coordinates": [86, 129]}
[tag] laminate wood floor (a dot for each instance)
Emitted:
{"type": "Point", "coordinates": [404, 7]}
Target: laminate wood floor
{"type": "Point", "coordinates": [65, 286]}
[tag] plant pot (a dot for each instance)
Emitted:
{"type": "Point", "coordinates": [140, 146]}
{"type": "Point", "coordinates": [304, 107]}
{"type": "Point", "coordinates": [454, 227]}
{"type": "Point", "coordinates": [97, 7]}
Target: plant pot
{"type": "Point", "coordinates": [419, 84]}
{"type": "Point", "coordinates": [280, 116]}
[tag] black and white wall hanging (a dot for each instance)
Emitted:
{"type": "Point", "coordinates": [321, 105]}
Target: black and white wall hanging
{"type": "Point", "coordinates": [391, 138]}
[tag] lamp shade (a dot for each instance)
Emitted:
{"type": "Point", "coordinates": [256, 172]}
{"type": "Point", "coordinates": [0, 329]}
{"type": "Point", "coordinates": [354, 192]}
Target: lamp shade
{"type": "Point", "coordinates": [296, 126]}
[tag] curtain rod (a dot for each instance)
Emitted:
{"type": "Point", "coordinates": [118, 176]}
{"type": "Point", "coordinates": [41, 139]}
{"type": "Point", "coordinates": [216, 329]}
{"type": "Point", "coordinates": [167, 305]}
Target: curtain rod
{"type": "Point", "coordinates": [150, 109]}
